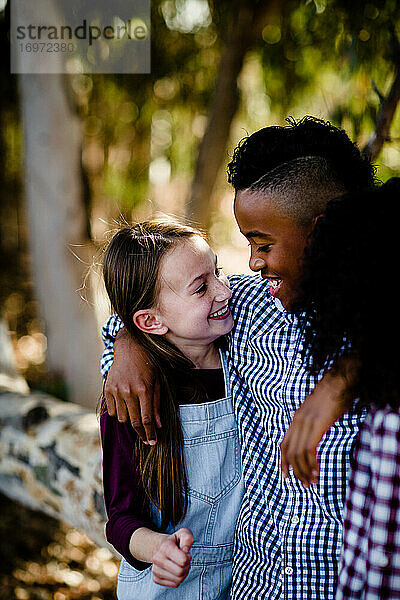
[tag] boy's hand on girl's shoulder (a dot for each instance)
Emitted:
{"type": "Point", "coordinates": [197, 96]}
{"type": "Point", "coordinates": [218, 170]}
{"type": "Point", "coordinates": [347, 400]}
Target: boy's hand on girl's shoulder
{"type": "Point", "coordinates": [329, 400]}
{"type": "Point", "coordinates": [131, 390]}
{"type": "Point", "coordinates": [171, 562]}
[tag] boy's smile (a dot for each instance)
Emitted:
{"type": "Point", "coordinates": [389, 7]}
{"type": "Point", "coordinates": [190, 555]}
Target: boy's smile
{"type": "Point", "coordinates": [277, 243]}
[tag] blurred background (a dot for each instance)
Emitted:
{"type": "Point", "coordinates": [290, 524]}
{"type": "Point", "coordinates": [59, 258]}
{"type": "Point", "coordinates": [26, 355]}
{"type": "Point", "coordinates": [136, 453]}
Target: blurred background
{"type": "Point", "coordinates": [82, 153]}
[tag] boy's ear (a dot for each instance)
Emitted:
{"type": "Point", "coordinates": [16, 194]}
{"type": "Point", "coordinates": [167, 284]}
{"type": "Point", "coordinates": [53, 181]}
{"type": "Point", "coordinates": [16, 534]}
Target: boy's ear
{"type": "Point", "coordinates": [149, 322]}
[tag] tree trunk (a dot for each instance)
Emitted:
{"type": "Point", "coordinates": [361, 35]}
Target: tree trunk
{"type": "Point", "coordinates": [248, 19]}
{"type": "Point", "coordinates": [388, 104]}
{"type": "Point", "coordinates": [57, 223]}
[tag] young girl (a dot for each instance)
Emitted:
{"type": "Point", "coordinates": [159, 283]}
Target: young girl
{"type": "Point", "coordinates": [172, 507]}
{"type": "Point", "coordinates": [350, 271]}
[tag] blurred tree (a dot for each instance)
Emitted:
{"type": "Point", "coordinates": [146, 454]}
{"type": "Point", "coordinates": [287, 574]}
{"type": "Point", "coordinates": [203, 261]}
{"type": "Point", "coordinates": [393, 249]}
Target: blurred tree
{"type": "Point", "coordinates": [245, 24]}
{"type": "Point", "coordinates": [17, 303]}
{"type": "Point", "coordinates": [317, 56]}
{"type": "Point", "coordinates": [343, 51]}
{"type": "Point", "coordinates": [388, 103]}
{"type": "Point", "coordinates": [58, 226]}
{"type": "Point", "coordinates": [61, 250]}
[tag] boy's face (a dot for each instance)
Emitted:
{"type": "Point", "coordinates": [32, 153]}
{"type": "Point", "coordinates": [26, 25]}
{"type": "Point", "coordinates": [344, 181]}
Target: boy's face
{"type": "Point", "coordinates": [276, 242]}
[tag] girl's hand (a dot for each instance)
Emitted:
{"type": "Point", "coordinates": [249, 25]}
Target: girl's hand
{"type": "Point", "coordinates": [171, 562]}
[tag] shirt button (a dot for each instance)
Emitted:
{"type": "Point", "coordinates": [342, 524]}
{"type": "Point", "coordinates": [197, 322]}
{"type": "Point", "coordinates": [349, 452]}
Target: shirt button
{"type": "Point", "coordinates": [383, 561]}
{"type": "Point", "coordinates": [378, 558]}
{"type": "Point", "coordinates": [298, 362]}
{"type": "Point", "coordinates": [295, 520]}
{"type": "Point", "coordinates": [288, 570]}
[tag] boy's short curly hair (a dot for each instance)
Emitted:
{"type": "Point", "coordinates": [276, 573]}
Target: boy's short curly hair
{"type": "Point", "coordinates": [270, 147]}
{"type": "Point", "coordinates": [300, 188]}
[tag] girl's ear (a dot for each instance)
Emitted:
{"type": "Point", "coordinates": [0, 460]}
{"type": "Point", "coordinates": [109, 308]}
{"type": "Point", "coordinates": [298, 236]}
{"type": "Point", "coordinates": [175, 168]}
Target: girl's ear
{"type": "Point", "coordinates": [147, 321]}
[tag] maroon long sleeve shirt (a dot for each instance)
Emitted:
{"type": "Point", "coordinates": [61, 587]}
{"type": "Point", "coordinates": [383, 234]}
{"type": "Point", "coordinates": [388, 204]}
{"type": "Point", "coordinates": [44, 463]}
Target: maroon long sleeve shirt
{"type": "Point", "coordinates": [123, 492]}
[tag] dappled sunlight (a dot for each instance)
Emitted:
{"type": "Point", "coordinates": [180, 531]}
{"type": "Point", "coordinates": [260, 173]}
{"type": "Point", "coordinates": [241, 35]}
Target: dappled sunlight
{"type": "Point", "coordinates": [186, 16]}
{"type": "Point", "coordinates": [53, 562]}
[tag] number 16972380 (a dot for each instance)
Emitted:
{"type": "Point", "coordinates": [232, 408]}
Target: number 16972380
{"type": "Point", "coordinates": [46, 47]}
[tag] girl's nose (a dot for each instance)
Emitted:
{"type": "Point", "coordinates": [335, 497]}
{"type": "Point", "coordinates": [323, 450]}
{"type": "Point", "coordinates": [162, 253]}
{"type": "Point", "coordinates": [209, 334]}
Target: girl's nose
{"type": "Point", "coordinates": [223, 292]}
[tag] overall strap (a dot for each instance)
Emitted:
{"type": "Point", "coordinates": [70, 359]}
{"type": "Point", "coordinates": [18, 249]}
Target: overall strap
{"type": "Point", "coordinates": [224, 362]}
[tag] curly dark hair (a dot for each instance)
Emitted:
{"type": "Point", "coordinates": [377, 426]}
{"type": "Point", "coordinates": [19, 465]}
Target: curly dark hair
{"type": "Point", "coordinates": [349, 292]}
{"type": "Point", "coordinates": [269, 147]}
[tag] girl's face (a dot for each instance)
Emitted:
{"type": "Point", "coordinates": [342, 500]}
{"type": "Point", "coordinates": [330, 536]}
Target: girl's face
{"type": "Point", "coordinates": [194, 294]}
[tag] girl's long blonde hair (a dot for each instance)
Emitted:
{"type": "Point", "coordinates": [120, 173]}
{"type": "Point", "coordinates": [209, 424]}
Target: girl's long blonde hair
{"type": "Point", "coordinates": [131, 274]}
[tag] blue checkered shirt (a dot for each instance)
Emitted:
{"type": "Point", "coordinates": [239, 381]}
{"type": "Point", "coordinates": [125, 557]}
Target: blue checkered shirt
{"type": "Point", "coordinates": [288, 539]}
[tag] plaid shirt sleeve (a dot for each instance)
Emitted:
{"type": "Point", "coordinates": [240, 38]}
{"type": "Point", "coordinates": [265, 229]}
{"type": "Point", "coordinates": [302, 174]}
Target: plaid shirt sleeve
{"type": "Point", "coordinates": [370, 562]}
{"type": "Point", "coordinates": [109, 333]}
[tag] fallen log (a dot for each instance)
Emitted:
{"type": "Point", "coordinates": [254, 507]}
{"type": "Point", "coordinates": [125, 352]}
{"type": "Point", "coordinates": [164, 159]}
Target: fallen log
{"type": "Point", "coordinates": [50, 459]}
{"type": "Point", "coordinates": [50, 452]}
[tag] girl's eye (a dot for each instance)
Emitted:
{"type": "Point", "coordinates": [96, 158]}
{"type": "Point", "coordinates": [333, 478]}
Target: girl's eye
{"type": "Point", "coordinates": [201, 289]}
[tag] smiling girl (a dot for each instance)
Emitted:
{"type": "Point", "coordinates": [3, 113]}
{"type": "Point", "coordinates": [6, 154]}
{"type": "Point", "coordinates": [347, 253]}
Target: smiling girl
{"type": "Point", "coordinates": [172, 507]}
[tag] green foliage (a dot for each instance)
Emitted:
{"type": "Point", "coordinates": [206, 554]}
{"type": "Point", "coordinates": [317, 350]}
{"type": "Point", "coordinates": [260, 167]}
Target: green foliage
{"type": "Point", "coordinates": [134, 120]}
{"type": "Point", "coordinates": [315, 57]}
{"type": "Point", "coordinates": [330, 48]}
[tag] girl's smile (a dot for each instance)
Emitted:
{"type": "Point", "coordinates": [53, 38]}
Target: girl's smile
{"type": "Point", "coordinates": [221, 314]}
{"type": "Point", "coordinates": [192, 309]}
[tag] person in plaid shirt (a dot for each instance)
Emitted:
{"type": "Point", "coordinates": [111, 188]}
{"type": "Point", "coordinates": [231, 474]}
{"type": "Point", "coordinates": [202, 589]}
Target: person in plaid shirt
{"type": "Point", "coordinates": [349, 265]}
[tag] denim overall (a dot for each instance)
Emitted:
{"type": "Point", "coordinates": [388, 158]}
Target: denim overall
{"type": "Point", "coordinates": [212, 456]}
